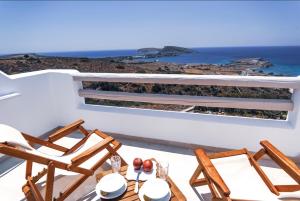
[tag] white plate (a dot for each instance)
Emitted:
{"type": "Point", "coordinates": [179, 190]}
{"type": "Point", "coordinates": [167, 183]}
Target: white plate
{"type": "Point", "coordinates": [156, 189]}
{"type": "Point", "coordinates": [114, 184]}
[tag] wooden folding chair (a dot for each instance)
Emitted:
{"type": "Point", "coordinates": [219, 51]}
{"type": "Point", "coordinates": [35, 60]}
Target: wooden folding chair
{"type": "Point", "coordinates": [85, 157]}
{"type": "Point", "coordinates": [217, 180]}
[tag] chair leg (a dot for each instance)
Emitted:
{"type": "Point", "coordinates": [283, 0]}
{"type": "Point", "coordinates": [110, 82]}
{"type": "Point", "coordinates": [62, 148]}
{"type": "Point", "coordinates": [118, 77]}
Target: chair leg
{"type": "Point", "coordinates": [27, 192]}
{"type": "Point", "coordinates": [28, 169]}
{"type": "Point", "coordinates": [194, 181]}
{"type": "Point", "coordinates": [50, 182]}
{"type": "Point", "coordinates": [35, 193]}
{"type": "Point", "coordinates": [27, 188]}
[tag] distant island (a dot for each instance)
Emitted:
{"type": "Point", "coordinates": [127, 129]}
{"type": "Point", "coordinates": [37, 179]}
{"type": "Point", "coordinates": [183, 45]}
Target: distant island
{"type": "Point", "coordinates": [166, 51]}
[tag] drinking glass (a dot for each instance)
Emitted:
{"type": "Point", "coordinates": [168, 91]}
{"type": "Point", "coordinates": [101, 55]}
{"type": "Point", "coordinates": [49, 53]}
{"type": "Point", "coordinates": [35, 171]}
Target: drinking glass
{"type": "Point", "coordinates": [115, 163]}
{"type": "Point", "coordinates": [163, 170]}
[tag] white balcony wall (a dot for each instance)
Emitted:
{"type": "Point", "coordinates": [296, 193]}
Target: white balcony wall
{"type": "Point", "coordinates": [50, 98]}
{"type": "Point", "coordinates": [33, 110]}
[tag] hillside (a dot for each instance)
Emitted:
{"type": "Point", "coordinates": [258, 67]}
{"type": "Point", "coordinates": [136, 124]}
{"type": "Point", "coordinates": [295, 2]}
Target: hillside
{"type": "Point", "coordinates": [27, 63]}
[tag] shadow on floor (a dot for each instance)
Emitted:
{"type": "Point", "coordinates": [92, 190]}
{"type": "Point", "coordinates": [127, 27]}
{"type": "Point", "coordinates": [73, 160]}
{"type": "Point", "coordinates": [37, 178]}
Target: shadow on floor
{"type": "Point", "coordinates": [158, 147]}
{"type": "Point", "coordinates": [267, 162]}
{"type": "Point", "coordinates": [8, 164]}
{"type": "Point", "coordinates": [202, 197]}
{"type": "Point", "coordinates": [88, 197]}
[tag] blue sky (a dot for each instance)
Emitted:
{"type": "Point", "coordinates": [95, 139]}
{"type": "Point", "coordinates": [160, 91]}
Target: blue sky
{"type": "Point", "coordinates": [81, 25]}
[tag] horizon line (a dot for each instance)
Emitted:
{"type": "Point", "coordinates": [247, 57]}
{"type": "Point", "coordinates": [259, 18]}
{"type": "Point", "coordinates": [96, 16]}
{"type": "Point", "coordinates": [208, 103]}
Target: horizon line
{"type": "Point", "coordinates": [61, 51]}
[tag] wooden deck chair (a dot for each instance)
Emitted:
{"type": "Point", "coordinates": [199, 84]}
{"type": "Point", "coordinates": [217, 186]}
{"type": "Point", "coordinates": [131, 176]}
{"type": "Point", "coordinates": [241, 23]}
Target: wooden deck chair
{"type": "Point", "coordinates": [83, 158]}
{"type": "Point", "coordinates": [236, 175]}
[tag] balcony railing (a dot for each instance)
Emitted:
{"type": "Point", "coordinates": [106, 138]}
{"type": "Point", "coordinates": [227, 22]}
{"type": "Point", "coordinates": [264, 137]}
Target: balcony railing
{"type": "Point", "coordinates": [207, 101]}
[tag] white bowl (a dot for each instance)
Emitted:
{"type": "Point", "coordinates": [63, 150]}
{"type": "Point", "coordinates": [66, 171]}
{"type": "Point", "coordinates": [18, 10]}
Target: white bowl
{"type": "Point", "coordinates": [155, 189]}
{"type": "Point", "coordinates": [111, 183]}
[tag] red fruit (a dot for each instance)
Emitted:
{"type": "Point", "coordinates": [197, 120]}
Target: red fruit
{"type": "Point", "coordinates": [147, 165]}
{"type": "Point", "coordinates": [137, 163]}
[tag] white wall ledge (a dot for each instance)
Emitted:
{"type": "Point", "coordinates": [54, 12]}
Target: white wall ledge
{"type": "Point", "coordinates": [222, 119]}
{"type": "Point", "coordinates": [9, 96]}
{"type": "Point", "coordinates": [41, 72]}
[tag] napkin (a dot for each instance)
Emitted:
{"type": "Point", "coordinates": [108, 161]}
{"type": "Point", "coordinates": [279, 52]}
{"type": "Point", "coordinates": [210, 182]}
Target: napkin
{"type": "Point", "coordinates": [132, 174]}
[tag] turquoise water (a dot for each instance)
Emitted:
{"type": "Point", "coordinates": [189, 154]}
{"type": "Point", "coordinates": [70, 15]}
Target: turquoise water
{"type": "Point", "coordinates": [286, 60]}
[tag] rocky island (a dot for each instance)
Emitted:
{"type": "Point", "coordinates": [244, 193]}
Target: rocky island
{"type": "Point", "coordinates": [166, 51]}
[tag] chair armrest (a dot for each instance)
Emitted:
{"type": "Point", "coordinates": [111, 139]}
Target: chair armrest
{"type": "Point", "coordinates": [91, 151]}
{"type": "Point", "coordinates": [284, 162]}
{"type": "Point", "coordinates": [65, 131]}
{"type": "Point", "coordinates": [211, 172]}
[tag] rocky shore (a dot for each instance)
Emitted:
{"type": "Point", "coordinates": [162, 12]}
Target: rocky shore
{"type": "Point", "coordinates": [20, 63]}
{"type": "Point", "coordinates": [249, 66]}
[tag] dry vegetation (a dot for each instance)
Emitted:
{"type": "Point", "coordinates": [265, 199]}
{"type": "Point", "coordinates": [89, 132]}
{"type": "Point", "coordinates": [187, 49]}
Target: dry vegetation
{"type": "Point", "coordinates": [28, 63]}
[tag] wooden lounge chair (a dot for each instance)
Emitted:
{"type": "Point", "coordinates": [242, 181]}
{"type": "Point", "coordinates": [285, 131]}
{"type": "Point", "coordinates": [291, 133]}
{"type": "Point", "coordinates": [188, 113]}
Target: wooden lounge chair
{"type": "Point", "coordinates": [83, 158]}
{"type": "Point", "coordinates": [236, 175]}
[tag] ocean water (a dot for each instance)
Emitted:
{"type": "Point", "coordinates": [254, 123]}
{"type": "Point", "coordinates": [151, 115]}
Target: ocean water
{"type": "Point", "coordinates": [285, 60]}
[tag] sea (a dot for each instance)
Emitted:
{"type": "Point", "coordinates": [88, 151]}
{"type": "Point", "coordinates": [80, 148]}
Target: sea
{"type": "Point", "coordinates": [285, 59]}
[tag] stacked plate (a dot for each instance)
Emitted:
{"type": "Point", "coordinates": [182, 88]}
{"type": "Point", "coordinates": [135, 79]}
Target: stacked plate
{"type": "Point", "coordinates": [155, 190]}
{"type": "Point", "coordinates": [111, 186]}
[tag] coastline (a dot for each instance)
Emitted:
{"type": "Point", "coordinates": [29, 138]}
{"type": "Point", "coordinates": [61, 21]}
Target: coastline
{"type": "Point", "coordinates": [285, 59]}
{"type": "Point", "coordinates": [20, 63]}
{"type": "Point", "coordinates": [27, 63]}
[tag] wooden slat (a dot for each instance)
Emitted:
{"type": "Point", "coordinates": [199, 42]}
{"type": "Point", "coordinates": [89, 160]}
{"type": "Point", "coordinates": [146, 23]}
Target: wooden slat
{"type": "Point", "coordinates": [103, 135]}
{"type": "Point", "coordinates": [175, 190]}
{"type": "Point", "coordinates": [34, 190]}
{"type": "Point", "coordinates": [83, 130]}
{"type": "Point", "coordinates": [259, 154]}
{"type": "Point", "coordinates": [39, 159]}
{"type": "Point", "coordinates": [207, 101]}
{"type": "Point", "coordinates": [216, 80]}
{"type": "Point", "coordinates": [284, 162]}
{"type": "Point", "coordinates": [262, 174]}
{"type": "Point", "coordinates": [78, 144]}
{"type": "Point", "coordinates": [195, 181]}
{"type": "Point", "coordinates": [210, 172]}
{"type": "Point", "coordinates": [87, 154]}
{"type": "Point", "coordinates": [227, 153]}
{"type": "Point", "coordinates": [36, 140]}
{"type": "Point", "coordinates": [65, 131]}
{"type": "Point", "coordinates": [287, 188]}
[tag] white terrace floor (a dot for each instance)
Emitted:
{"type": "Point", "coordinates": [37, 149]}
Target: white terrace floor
{"type": "Point", "coordinates": [182, 165]}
